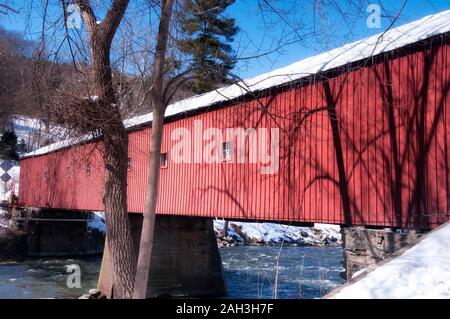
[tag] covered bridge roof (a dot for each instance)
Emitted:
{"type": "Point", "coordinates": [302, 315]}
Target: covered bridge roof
{"type": "Point", "coordinates": [390, 40]}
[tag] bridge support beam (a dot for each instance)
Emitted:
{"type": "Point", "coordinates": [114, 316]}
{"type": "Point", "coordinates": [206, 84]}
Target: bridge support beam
{"type": "Point", "coordinates": [364, 247]}
{"type": "Point", "coordinates": [185, 258]}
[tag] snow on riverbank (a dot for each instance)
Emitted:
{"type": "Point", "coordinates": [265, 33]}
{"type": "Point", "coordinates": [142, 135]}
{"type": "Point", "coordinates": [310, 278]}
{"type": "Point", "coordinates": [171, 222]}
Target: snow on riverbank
{"type": "Point", "coordinates": [423, 271]}
{"type": "Point", "coordinates": [274, 233]}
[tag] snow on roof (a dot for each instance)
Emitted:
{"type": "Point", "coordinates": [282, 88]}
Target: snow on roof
{"type": "Point", "coordinates": [423, 271]}
{"type": "Point", "coordinates": [56, 146]}
{"type": "Point", "coordinates": [392, 39]}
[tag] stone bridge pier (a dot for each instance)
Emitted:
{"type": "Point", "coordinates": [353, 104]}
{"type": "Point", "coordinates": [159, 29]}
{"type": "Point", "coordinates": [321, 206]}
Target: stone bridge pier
{"type": "Point", "coordinates": [364, 247]}
{"type": "Point", "coordinates": [185, 258]}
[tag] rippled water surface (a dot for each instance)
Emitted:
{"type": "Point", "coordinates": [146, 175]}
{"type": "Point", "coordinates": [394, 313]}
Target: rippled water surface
{"type": "Point", "coordinates": [303, 272]}
{"type": "Point", "coordinates": [249, 272]}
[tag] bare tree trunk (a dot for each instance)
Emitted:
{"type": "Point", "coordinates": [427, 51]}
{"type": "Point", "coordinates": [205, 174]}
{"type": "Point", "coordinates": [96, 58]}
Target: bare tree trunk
{"type": "Point", "coordinates": [115, 160]}
{"type": "Point", "coordinates": [225, 228]}
{"type": "Point", "coordinates": [159, 107]}
{"type": "Point", "coordinates": [115, 140]}
{"type": "Point", "coordinates": [120, 243]}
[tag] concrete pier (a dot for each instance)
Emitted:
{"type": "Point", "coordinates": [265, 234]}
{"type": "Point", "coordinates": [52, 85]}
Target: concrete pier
{"type": "Point", "coordinates": [52, 232]}
{"type": "Point", "coordinates": [364, 247]}
{"type": "Point", "coordinates": [185, 258]}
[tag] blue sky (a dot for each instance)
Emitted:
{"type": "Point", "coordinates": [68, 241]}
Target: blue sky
{"type": "Point", "coordinates": [248, 17]}
{"type": "Point", "coordinates": [304, 30]}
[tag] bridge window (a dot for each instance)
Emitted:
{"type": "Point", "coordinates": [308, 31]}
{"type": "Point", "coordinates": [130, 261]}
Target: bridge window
{"type": "Point", "coordinates": [45, 175]}
{"type": "Point", "coordinates": [163, 160]}
{"type": "Point", "coordinates": [68, 171]}
{"type": "Point", "coordinates": [227, 149]}
{"type": "Point", "coordinates": [88, 169]}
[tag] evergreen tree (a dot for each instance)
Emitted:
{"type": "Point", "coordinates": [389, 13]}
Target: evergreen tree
{"type": "Point", "coordinates": [208, 34]}
{"type": "Point", "coordinates": [8, 145]}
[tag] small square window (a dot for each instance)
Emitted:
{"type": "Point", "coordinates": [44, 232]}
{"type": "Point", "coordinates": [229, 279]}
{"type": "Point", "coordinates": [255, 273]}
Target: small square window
{"type": "Point", "coordinates": [88, 169]}
{"type": "Point", "coordinates": [227, 151]}
{"type": "Point", "coordinates": [163, 160]}
{"type": "Point", "coordinates": [129, 163]}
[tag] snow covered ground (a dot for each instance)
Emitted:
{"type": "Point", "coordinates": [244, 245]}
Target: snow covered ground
{"type": "Point", "coordinates": [423, 271]}
{"type": "Point", "coordinates": [274, 233]}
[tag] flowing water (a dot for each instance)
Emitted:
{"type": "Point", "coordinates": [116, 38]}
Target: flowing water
{"type": "Point", "coordinates": [249, 272]}
{"type": "Point", "coordinates": [303, 272]}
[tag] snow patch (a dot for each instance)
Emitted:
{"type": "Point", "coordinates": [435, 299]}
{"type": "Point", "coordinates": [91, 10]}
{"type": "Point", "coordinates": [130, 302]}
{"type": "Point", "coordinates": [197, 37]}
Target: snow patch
{"type": "Point", "coordinates": [57, 146]}
{"type": "Point", "coordinates": [423, 271]}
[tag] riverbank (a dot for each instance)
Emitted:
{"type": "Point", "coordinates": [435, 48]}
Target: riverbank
{"type": "Point", "coordinates": [274, 234]}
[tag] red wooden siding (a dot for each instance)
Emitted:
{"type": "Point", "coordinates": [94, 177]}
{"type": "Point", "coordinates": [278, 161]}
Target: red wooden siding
{"type": "Point", "coordinates": [392, 118]}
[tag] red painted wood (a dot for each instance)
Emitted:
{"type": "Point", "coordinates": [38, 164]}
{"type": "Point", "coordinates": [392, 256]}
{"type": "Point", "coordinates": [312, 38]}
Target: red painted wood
{"type": "Point", "coordinates": [410, 89]}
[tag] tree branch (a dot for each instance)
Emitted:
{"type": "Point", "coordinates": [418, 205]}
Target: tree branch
{"type": "Point", "coordinates": [88, 15]}
{"type": "Point", "coordinates": [8, 8]}
{"type": "Point", "coordinates": [113, 17]}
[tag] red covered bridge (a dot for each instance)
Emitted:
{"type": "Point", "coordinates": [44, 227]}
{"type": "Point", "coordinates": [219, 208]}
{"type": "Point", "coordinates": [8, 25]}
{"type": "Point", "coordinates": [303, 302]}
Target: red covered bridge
{"type": "Point", "coordinates": [364, 133]}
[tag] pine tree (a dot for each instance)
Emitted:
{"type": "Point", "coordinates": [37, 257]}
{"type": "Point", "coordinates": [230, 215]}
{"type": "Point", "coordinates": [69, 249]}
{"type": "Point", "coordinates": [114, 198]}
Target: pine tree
{"type": "Point", "coordinates": [208, 37]}
{"type": "Point", "coordinates": [8, 145]}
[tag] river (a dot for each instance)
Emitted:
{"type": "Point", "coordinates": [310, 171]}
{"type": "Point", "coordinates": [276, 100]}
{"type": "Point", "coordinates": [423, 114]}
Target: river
{"type": "Point", "coordinates": [249, 272]}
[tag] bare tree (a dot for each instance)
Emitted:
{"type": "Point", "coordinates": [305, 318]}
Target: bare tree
{"type": "Point", "coordinates": [159, 106]}
{"type": "Point", "coordinates": [81, 96]}
{"type": "Point", "coordinates": [115, 141]}
{"type": "Point", "coordinates": [164, 87]}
